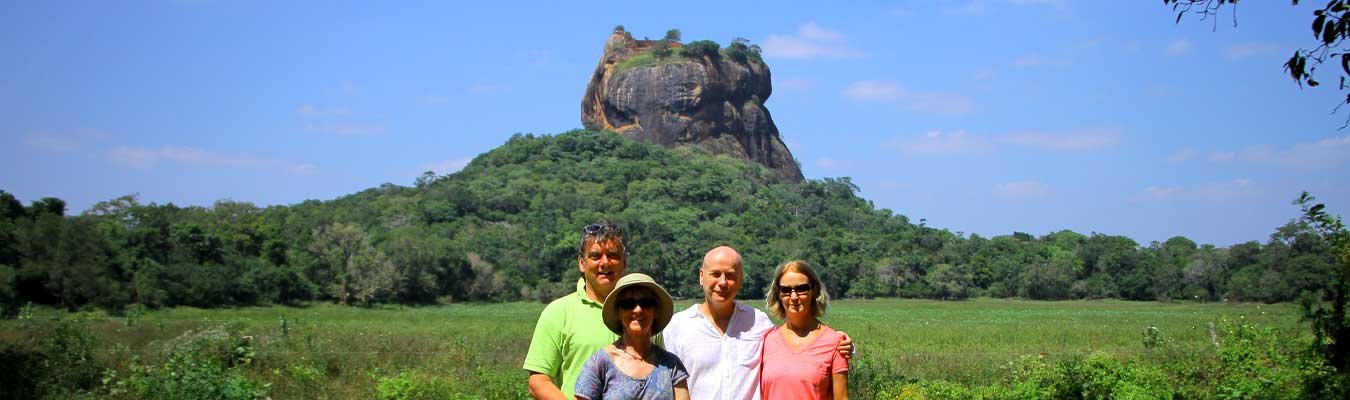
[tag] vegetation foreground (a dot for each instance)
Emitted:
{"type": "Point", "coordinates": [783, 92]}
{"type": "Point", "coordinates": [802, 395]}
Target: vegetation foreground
{"type": "Point", "coordinates": [992, 348]}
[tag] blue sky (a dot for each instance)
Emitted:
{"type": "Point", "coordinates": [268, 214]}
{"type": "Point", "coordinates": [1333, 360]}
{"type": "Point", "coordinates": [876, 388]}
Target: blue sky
{"type": "Point", "coordinates": [980, 117]}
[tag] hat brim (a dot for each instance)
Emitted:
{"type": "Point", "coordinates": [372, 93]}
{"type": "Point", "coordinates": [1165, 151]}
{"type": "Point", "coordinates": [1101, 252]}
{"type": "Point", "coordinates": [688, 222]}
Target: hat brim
{"type": "Point", "coordinates": [665, 307]}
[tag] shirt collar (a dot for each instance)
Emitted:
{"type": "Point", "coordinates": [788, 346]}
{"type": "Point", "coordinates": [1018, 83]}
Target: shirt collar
{"type": "Point", "coordinates": [581, 293]}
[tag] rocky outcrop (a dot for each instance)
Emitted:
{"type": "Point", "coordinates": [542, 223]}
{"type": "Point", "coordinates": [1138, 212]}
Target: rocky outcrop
{"type": "Point", "coordinates": [712, 101]}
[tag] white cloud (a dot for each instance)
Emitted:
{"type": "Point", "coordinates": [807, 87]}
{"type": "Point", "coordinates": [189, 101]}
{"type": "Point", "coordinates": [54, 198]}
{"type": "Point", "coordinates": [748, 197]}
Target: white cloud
{"type": "Point", "coordinates": [1181, 156]}
{"type": "Point", "coordinates": [1230, 190]}
{"type": "Point", "coordinates": [901, 12]}
{"type": "Point", "coordinates": [309, 111]}
{"type": "Point", "coordinates": [975, 7]}
{"type": "Point", "coordinates": [1021, 190]}
{"type": "Point", "coordinates": [1222, 156]}
{"type": "Point", "coordinates": [874, 91]}
{"type": "Point", "coordinates": [1207, 192]}
{"type": "Point", "coordinates": [1244, 50]}
{"type": "Point", "coordinates": [811, 41]}
{"type": "Point", "coordinates": [1179, 47]}
{"type": "Point", "coordinates": [1034, 60]}
{"type": "Point", "coordinates": [1088, 140]}
{"type": "Point", "coordinates": [488, 89]}
{"type": "Point", "coordinates": [345, 129]}
{"type": "Point", "coordinates": [960, 142]}
{"type": "Point", "coordinates": [142, 157]}
{"type": "Point", "coordinates": [432, 99]}
{"type": "Point", "coordinates": [1326, 153]}
{"type": "Point", "coordinates": [794, 84]}
{"type": "Point", "coordinates": [447, 166]}
{"type": "Point", "coordinates": [303, 170]}
{"type": "Point", "coordinates": [938, 103]}
{"type": "Point", "coordinates": [1155, 193]}
{"type": "Point", "coordinates": [831, 163]}
{"type": "Point", "coordinates": [942, 143]}
{"type": "Point", "coordinates": [51, 143]}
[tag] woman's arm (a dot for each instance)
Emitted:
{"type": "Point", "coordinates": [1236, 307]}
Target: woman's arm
{"type": "Point", "coordinates": [682, 390]}
{"type": "Point", "coordinates": [839, 382]}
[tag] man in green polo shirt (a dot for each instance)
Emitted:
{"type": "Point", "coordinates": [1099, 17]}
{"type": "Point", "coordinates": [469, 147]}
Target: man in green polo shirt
{"type": "Point", "coordinates": [571, 328]}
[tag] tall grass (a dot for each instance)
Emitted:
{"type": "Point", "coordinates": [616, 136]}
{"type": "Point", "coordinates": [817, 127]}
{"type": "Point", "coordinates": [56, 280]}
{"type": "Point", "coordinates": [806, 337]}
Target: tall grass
{"type": "Point", "coordinates": [476, 350]}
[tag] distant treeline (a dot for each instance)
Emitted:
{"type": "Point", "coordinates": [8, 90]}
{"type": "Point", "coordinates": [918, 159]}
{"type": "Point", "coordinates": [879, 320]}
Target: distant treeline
{"type": "Point", "coordinates": [506, 227]}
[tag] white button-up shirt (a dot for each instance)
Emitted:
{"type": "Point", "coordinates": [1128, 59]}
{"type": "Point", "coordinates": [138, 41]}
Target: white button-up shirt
{"type": "Point", "coordinates": [721, 367]}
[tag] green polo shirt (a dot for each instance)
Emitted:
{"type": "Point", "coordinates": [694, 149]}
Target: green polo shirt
{"type": "Point", "coordinates": [569, 331]}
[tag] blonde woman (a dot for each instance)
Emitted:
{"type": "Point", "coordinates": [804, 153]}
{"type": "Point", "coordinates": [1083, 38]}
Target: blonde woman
{"type": "Point", "coordinates": [800, 356]}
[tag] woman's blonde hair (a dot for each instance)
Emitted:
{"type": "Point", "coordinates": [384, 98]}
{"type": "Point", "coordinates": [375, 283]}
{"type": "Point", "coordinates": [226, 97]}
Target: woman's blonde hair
{"type": "Point", "coordinates": [819, 303]}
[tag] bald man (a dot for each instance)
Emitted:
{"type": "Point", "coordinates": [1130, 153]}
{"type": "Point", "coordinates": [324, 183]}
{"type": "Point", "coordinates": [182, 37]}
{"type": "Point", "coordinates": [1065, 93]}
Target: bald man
{"type": "Point", "coordinates": [719, 340]}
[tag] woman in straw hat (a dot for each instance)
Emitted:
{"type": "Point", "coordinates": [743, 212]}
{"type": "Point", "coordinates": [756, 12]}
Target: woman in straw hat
{"type": "Point", "coordinates": [633, 367]}
{"type": "Point", "coordinates": [800, 356]}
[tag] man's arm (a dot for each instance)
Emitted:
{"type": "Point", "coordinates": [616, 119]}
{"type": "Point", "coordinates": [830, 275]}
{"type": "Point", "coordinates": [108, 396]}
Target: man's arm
{"type": "Point", "coordinates": [845, 346]}
{"type": "Point", "coordinates": [542, 387]}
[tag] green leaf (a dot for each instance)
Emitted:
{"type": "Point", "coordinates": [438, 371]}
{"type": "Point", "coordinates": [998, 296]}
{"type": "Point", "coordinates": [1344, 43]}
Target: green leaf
{"type": "Point", "coordinates": [1317, 25]}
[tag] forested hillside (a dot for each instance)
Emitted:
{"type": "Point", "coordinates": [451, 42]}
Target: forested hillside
{"type": "Point", "coordinates": [506, 228]}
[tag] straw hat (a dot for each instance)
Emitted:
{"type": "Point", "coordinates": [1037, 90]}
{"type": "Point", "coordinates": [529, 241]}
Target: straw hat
{"type": "Point", "coordinates": [664, 306]}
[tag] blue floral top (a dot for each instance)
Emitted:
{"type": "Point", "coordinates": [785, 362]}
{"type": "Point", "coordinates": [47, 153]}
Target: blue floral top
{"type": "Point", "coordinates": [601, 379]}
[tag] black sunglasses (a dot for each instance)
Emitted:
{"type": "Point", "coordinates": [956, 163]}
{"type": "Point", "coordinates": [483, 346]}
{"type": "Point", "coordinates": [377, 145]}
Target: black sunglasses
{"type": "Point", "coordinates": [597, 228]}
{"type": "Point", "coordinates": [802, 289]}
{"type": "Point", "coordinates": [629, 303]}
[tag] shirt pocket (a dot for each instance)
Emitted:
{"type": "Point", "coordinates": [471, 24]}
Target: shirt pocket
{"type": "Point", "coordinates": [748, 352]}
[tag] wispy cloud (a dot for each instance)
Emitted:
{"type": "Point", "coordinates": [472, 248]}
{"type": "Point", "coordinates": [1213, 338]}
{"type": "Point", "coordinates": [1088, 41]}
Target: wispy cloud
{"type": "Point", "coordinates": [810, 42]}
{"type": "Point", "coordinates": [833, 163]}
{"type": "Point", "coordinates": [1034, 60]}
{"type": "Point", "coordinates": [1326, 153]}
{"type": "Point", "coordinates": [974, 7]}
{"type": "Point", "coordinates": [1179, 47]}
{"type": "Point", "coordinates": [901, 12]}
{"type": "Point", "coordinates": [47, 142]}
{"type": "Point", "coordinates": [960, 142]}
{"type": "Point", "coordinates": [1230, 190]}
{"type": "Point", "coordinates": [794, 83]}
{"type": "Point", "coordinates": [873, 91]}
{"type": "Point", "coordinates": [345, 129]}
{"type": "Point", "coordinates": [1181, 156]}
{"type": "Point", "coordinates": [1244, 50]}
{"type": "Point", "coordinates": [483, 88]}
{"type": "Point", "coordinates": [143, 157]}
{"type": "Point", "coordinates": [942, 143]}
{"type": "Point", "coordinates": [312, 111]}
{"type": "Point", "coordinates": [1021, 190]}
{"type": "Point", "coordinates": [926, 102]}
{"type": "Point", "coordinates": [1159, 193]}
{"type": "Point", "coordinates": [303, 170]}
{"type": "Point", "coordinates": [1086, 140]}
{"type": "Point", "coordinates": [429, 98]}
{"type": "Point", "coordinates": [447, 166]}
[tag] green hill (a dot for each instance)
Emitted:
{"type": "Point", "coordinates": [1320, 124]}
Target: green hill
{"type": "Point", "coordinates": [506, 227]}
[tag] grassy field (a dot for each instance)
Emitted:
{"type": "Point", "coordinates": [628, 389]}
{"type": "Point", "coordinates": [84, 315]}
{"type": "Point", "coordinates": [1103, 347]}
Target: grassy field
{"type": "Point", "coordinates": [475, 350]}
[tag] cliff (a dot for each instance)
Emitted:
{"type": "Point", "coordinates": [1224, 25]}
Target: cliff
{"type": "Point", "coordinates": [692, 95]}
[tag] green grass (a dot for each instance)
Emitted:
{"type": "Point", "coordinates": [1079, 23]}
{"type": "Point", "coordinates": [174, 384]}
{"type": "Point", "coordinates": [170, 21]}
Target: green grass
{"type": "Point", "coordinates": [475, 350]}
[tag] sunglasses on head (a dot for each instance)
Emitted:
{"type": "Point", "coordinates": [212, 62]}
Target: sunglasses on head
{"type": "Point", "coordinates": [597, 228]}
{"type": "Point", "coordinates": [629, 303]}
{"type": "Point", "coordinates": [802, 289]}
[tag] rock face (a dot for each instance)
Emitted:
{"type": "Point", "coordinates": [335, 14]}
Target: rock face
{"type": "Point", "coordinates": [713, 102]}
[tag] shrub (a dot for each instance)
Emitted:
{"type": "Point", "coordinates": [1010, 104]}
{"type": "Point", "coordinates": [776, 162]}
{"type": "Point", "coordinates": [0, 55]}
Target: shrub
{"type": "Point", "coordinates": [54, 361]}
{"type": "Point", "coordinates": [701, 48]}
{"type": "Point", "coordinates": [204, 364]}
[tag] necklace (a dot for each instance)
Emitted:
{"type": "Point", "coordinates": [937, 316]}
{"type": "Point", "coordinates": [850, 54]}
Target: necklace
{"type": "Point", "coordinates": [633, 355]}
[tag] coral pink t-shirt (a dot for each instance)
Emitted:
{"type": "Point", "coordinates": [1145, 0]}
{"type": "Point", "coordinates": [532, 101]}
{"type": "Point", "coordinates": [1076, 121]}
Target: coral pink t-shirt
{"type": "Point", "coordinates": [801, 375]}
